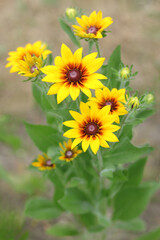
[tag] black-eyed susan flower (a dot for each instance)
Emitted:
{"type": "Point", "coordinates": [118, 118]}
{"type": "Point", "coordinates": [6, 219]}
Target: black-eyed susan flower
{"type": "Point", "coordinates": [20, 60]}
{"type": "Point", "coordinates": [114, 98]}
{"type": "Point", "coordinates": [92, 127]}
{"type": "Point", "coordinates": [73, 73]}
{"type": "Point", "coordinates": [43, 163]}
{"type": "Point", "coordinates": [68, 153]}
{"type": "Point", "coordinates": [92, 26]}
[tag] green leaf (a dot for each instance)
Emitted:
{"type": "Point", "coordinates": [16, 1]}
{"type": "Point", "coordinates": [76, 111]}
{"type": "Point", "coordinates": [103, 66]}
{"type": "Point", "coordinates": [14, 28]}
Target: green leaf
{"type": "Point", "coordinates": [69, 32]}
{"type": "Point", "coordinates": [132, 225]}
{"type": "Point", "coordinates": [153, 235]}
{"type": "Point", "coordinates": [41, 208]}
{"type": "Point", "coordinates": [107, 172]}
{"type": "Point", "coordinates": [43, 136]}
{"type": "Point", "coordinates": [131, 201]}
{"type": "Point", "coordinates": [113, 67]}
{"type": "Point", "coordinates": [75, 181]}
{"type": "Point", "coordinates": [135, 172]}
{"type": "Point", "coordinates": [124, 152]}
{"type": "Point", "coordinates": [75, 201]}
{"type": "Point", "coordinates": [60, 230]}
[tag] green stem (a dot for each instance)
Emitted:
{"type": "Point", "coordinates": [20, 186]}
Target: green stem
{"type": "Point", "coordinates": [100, 160]}
{"type": "Point", "coordinates": [97, 47]}
{"type": "Point", "coordinates": [90, 46]}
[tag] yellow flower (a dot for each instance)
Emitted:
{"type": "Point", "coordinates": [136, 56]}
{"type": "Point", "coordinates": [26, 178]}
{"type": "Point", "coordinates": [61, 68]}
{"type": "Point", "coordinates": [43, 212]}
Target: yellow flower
{"type": "Point", "coordinates": [125, 73]}
{"type": "Point", "coordinates": [133, 102]}
{"type": "Point", "coordinates": [92, 127]}
{"type": "Point", "coordinates": [73, 73]}
{"type": "Point", "coordinates": [113, 98]}
{"type": "Point", "coordinates": [67, 153]}
{"type": "Point", "coordinates": [37, 51]}
{"type": "Point", "coordinates": [92, 26]}
{"type": "Point", "coordinates": [44, 163]}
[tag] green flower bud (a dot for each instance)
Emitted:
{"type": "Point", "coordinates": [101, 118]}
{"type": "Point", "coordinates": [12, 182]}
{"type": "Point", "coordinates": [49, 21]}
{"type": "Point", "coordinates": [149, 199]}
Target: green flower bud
{"type": "Point", "coordinates": [149, 98]}
{"type": "Point", "coordinates": [133, 102]}
{"type": "Point", "coordinates": [125, 73]}
{"type": "Point", "coordinates": [71, 13]}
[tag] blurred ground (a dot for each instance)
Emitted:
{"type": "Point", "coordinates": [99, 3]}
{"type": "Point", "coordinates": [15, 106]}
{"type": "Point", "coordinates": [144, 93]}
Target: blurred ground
{"type": "Point", "coordinates": [136, 27]}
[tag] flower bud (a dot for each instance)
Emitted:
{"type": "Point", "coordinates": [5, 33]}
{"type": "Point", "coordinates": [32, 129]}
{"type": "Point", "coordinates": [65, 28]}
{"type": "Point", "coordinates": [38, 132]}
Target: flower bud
{"type": "Point", "coordinates": [71, 13]}
{"type": "Point", "coordinates": [125, 73]}
{"type": "Point", "coordinates": [149, 98]}
{"type": "Point", "coordinates": [133, 102]}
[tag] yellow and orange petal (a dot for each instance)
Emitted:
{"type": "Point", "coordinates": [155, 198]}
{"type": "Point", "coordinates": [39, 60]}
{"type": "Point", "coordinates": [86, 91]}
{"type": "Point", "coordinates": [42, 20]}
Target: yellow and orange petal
{"type": "Point", "coordinates": [92, 26]}
{"type": "Point", "coordinates": [72, 74]}
{"type": "Point", "coordinates": [114, 98]}
{"type": "Point", "coordinates": [44, 163]}
{"type": "Point", "coordinates": [93, 127]}
{"type": "Point", "coordinates": [67, 153]}
{"type": "Point", "coordinates": [37, 50]}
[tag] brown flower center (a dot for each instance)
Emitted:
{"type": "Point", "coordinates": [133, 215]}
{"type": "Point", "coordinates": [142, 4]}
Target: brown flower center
{"type": "Point", "coordinates": [74, 75]}
{"type": "Point", "coordinates": [92, 29]}
{"type": "Point", "coordinates": [48, 163]}
{"type": "Point", "coordinates": [33, 68]}
{"type": "Point", "coordinates": [68, 153]}
{"type": "Point", "coordinates": [110, 103]}
{"type": "Point", "coordinates": [91, 128]}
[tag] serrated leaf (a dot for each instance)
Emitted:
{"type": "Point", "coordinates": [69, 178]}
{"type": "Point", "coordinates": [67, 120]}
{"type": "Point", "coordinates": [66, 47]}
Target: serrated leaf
{"type": "Point", "coordinates": [131, 201]}
{"type": "Point", "coordinates": [75, 201]}
{"type": "Point", "coordinates": [124, 152]}
{"type": "Point", "coordinates": [43, 136]}
{"type": "Point", "coordinates": [132, 225]}
{"type": "Point", "coordinates": [41, 208]}
{"type": "Point", "coordinates": [153, 235]}
{"type": "Point", "coordinates": [69, 32]}
{"type": "Point", "coordinates": [60, 230]}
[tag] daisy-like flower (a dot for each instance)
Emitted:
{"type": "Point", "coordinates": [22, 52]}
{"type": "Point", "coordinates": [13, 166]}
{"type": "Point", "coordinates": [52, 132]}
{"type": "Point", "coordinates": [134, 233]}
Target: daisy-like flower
{"type": "Point", "coordinates": [92, 26]}
{"type": "Point", "coordinates": [92, 127]}
{"type": "Point", "coordinates": [73, 73]}
{"type": "Point", "coordinates": [114, 98]}
{"type": "Point", "coordinates": [67, 153]}
{"type": "Point", "coordinates": [44, 163]}
{"type": "Point", "coordinates": [37, 51]}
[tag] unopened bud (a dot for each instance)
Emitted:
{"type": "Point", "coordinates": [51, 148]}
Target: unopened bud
{"type": "Point", "coordinates": [133, 102]}
{"type": "Point", "coordinates": [149, 98]}
{"type": "Point", "coordinates": [71, 13]}
{"type": "Point", "coordinates": [125, 73]}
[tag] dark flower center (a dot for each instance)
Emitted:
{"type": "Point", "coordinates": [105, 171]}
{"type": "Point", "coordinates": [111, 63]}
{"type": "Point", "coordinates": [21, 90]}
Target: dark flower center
{"type": "Point", "coordinates": [68, 153]}
{"type": "Point", "coordinates": [92, 29]}
{"type": "Point", "coordinates": [33, 68]}
{"type": "Point", "coordinates": [91, 128]}
{"type": "Point", "coordinates": [48, 163]}
{"type": "Point", "coordinates": [109, 103]}
{"type": "Point", "coordinates": [74, 75]}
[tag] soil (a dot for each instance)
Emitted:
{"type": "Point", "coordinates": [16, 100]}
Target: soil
{"type": "Point", "coordinates": [136, 28]}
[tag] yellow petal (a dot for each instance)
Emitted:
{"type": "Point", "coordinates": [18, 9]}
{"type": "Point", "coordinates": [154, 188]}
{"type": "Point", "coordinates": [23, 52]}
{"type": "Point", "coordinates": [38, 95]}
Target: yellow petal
{"type": "Point", "coordinates": [85, 143]}
{"type": "Point", "coordinates": [72, 133]}
{"type": "Point", "coordinates": [67, 55]}
{"type": "Point", "coordinates": [52, 78]}
{"type": "Point", "coordinates": [74, 92]}
{"type": "Point", "coordinates": [77, 116]}
{"type": "Point", "coordinates": [93, 83]}
{"type": "Point", "coordinates": [54, 88]}
{"type": "Point", "coordinates": [95, 64]}
{"type": "Point", "coordinates": [62, 93]}
{"type": "Point", "coordinates": [94, 143]}
{"type": "Point", "coordinates": [84, 109]}
{"type": "Point", "coordinates": [50, 69]}
{"type": "Point", "coordinates": [71, 123]}
{"type": "Point", "coordinates": [76, 142]}
{"type": "Point", "coordinates": [111, 137]}
{"type": "Point", "coordinates": [78, 55]}
{"type": "Point", "coordinates": [86, 91]}
{"type": "Point", "coordinates": [89, 58]}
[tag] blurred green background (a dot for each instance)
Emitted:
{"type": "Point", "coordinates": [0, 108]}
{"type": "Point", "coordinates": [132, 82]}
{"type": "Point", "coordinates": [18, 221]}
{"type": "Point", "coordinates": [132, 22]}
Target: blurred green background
{"type": "Point", "coordinates": [136, 28]}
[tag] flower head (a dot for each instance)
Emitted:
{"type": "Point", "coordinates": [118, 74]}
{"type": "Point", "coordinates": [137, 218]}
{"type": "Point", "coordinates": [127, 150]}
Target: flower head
{"type": "Point", "coordinates": [149, 98]}
{"type": "Point", "coordinates": [113, 98]}
{"type": "Point", "coordinates": [67, 153]}
{"type": "Point", "coordinates": [71, 13]}
{"type": "Point", "coordinates": [125, 73]}
{"type": "Point", "coordinates": [73, 73]}
{"type": "Point", "coordinates": [27, 60]}
{"type": "Point", "coordinates": [92, 26]}
{"type": "Point", "coordinates": [44, 163]}
{"type": "Point", "coordinates": [133, 102]}
{"type": "Point", "coordinates": [92, 127]}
